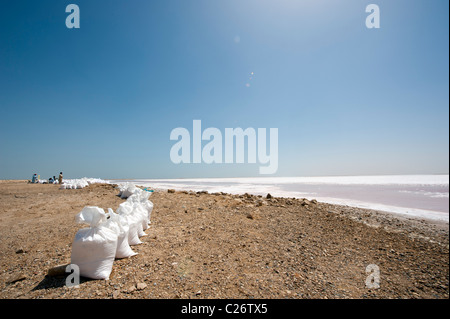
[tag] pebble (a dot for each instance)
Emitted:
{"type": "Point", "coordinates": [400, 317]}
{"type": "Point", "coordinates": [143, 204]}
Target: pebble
{"type": "Point", "coordinates": [141, 286]}
{"type": "Point", "coordinates": [16, 278]}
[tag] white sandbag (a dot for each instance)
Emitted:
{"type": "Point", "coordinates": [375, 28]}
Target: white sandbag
{"type": "Point", "coordinates": [137, 196]}
{"type": "Point", "coordinates": [148, 205]}
{"type": "Point", "coordinates": [119, 224]}
{"type": "Point", "coordinates": [128, 191]}
{"type": "Point", "coordinates": [142, 198]}
{"type": "Point", "coordinates": [94, 248]}
{"type": "Point", "coordinates": [122, 187]}
{"type": "Point", "coordinates": [126, 210]}
{"type": "Point", "coordinates": [145, 216]}
{"type": "Point", "coordinates": [91, 215]}
{"type": "Point", "coordinates": [140, 229]}
{"type": "Point", "coordinates": [140, 214]}
{"type": "Point", "coordinates": [141, 211]}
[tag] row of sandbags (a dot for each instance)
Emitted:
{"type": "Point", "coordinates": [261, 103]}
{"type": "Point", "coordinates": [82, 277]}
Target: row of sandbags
{"type": "Point", "coordinates": [110, 235]}
{"type": "Point", "coordinates": [80, 183]}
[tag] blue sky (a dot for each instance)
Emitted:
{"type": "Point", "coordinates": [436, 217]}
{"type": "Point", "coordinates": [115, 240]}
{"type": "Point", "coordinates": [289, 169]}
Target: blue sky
{"type": "Point", "coordinates": [101, 100]}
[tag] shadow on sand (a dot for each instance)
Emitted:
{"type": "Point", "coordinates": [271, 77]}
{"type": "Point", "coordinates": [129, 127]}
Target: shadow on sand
{"type": "Point", "coordinates": [50, 282]}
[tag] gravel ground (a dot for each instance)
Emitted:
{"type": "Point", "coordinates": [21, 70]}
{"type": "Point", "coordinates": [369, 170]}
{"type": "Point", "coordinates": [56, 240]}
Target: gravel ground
{"type": "Point", "coordinates": [222, 246]}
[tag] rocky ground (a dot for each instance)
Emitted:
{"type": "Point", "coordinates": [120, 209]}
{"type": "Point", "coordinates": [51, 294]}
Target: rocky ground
{"type": "Point", "coordinates": [202, 245]}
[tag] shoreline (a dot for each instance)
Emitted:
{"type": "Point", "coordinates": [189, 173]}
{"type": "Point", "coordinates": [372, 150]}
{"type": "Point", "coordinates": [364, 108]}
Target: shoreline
{"type": "Point", "coordinates": [216, 245]}
{"type": "Point", "coordinates": [395, 212]}
{"type": "Point", "coordinates": [421, 196]}
{"type": "Point", "coordinates": [431, 215]}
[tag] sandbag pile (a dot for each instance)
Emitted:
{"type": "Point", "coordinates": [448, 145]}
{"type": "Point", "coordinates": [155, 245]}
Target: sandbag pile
{"type": "Point", "coordinates": [80, 183]}
{"type": "Point", "coordinates": [110, 235]}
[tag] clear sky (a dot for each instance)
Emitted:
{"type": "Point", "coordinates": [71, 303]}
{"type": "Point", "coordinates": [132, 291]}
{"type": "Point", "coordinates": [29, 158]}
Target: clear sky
{"type": "Point", "coordinates": [101, 100]}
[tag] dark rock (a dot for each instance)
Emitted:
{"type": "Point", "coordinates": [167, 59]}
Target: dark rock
{"type": "Point", "coordinates": [59, 270]}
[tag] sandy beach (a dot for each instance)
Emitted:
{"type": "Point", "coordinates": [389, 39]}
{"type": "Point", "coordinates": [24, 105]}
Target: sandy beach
{"type": "Point", "coordinates": [203, 245]}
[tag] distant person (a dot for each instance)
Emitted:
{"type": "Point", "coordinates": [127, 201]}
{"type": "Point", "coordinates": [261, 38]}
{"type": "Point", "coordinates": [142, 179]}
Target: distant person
{"type": "Point", "coordinates": [54, 179]}
{"type": "Point", "coordinates": [34, 179]}
{"type": "Point", "coordinates": [60, 178]}
{"type": "Point", "coordinates": [50, 180]}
